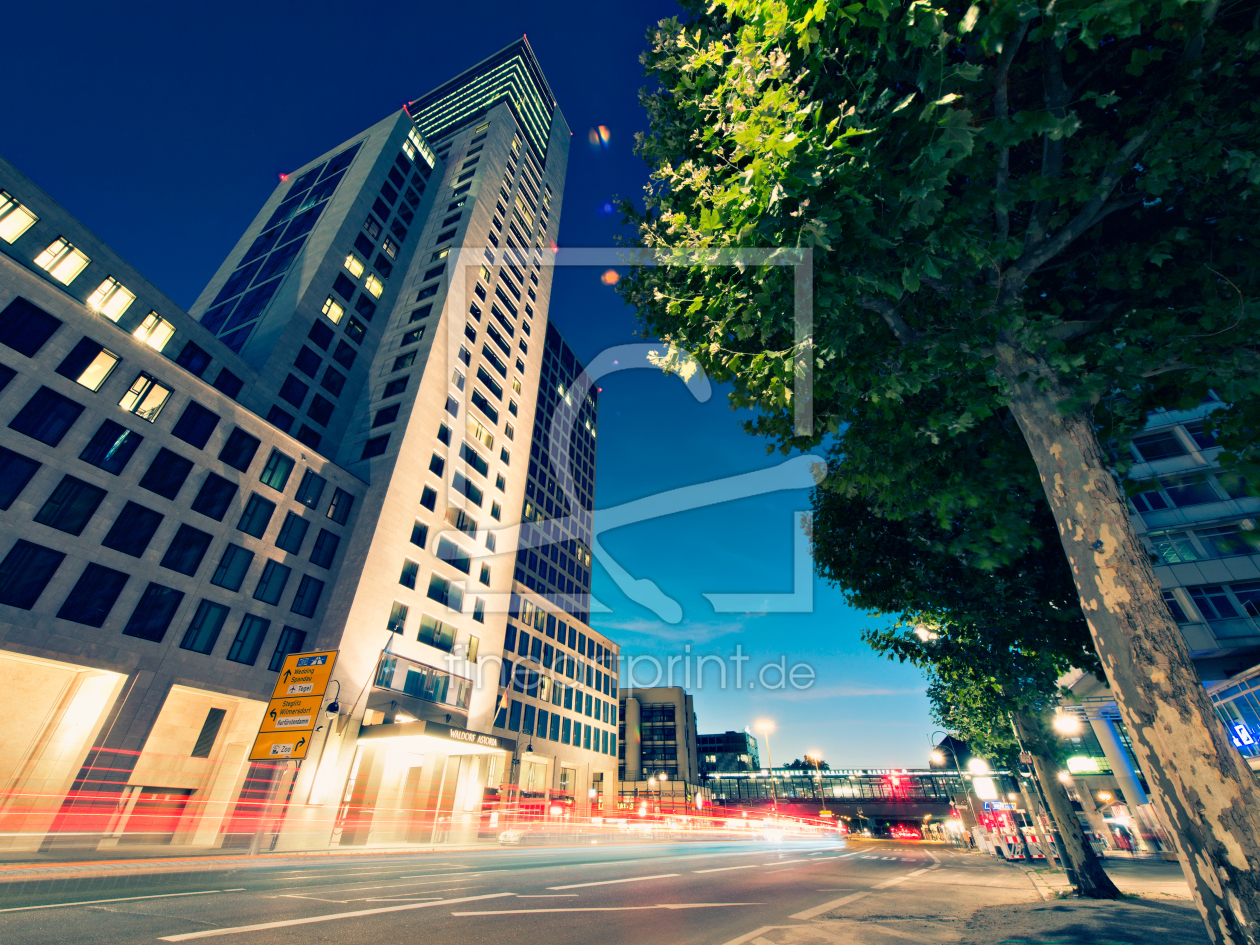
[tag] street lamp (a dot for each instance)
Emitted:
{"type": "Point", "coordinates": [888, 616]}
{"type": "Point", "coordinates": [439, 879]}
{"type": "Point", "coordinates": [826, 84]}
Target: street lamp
{"type": "Point", "coordinates": [1066, 723]}
{"type": "Point", "coordinates": [957, 767]}
{"type": "Point", "coordinates": [816, 758]}
{"type": "Point", "coordinates": [765, 728]}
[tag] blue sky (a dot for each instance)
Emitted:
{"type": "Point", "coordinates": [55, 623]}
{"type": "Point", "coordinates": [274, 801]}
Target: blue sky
{"type": "Point", "coordinates": [163, 127]}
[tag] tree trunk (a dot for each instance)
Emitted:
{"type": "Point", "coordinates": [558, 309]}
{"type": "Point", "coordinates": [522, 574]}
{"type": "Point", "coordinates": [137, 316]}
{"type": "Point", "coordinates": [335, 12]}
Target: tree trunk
{"type": "Point", "coordinates": [1094, 883]}
{"type": "Point", "coordinates": [1207, 795]}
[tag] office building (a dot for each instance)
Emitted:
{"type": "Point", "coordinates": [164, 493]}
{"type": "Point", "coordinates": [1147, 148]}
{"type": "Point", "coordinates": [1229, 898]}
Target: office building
{"type": "Point", "coordinates": [331, 449]}
{"type": "Point", "coordinates": [657, 748]}
{"type": "Point", "coordinates": [729, 751]}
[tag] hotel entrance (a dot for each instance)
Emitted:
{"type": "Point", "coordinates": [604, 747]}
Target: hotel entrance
{"type": "Point", "coordinates": [418, 782]}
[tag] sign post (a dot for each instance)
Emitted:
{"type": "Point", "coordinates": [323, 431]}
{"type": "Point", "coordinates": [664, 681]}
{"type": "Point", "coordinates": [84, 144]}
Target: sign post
{"type": "Point", "coordinates": [288, 725]}
{"type": "Point", "coordinates": [293, 712]}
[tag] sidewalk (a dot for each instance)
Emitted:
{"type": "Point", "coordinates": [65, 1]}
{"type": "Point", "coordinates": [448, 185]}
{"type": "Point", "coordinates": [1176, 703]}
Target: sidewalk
{"type": "Point", "coordinates": [1162, 910]}
{"type": "Point", "coordinates": [1149, 878]}
{"type": "Point", "coordinates": [970, 898]}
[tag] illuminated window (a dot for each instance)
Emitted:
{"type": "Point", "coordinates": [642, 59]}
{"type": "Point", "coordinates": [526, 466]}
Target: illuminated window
{"type": "Point", "coordinates": [15, 219]}
{"type": "Point", "coordinates": [333, 309]}
{"type": "Point", "coordinates": [523, 210]}
{"type": "Point", "coordinates": [390, 248]}
{"type": "Point", "coordinates": [111, 299]}
{"type": "Point", "coordinates": [355, 265]}
{"type": "Point", "coordinates": [516, 384]}
{"type": "Point", "coordinates": [62, 261]}
{"type": "Point", "coordinates": [409, 149]}
{"type": "Point", "coordinates": [146, 398]}
{"type": "Point", "coordinates": [374, 285]}
{"type": "Point", "coordinates": [89, 364]}
{"type": "Point", "coordinates": [480, 433]}
{"type": "Point", "coordinates": [485, 274]}
{"type": "Point", "coordinates": [155, 331]}
{"type": "Point", "coordinates": [440, 254]}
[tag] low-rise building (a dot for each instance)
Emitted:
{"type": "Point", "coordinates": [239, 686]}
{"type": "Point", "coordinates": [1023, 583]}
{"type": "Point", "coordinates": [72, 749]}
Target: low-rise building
{"type": "Point", "coordinates": [729, 751]}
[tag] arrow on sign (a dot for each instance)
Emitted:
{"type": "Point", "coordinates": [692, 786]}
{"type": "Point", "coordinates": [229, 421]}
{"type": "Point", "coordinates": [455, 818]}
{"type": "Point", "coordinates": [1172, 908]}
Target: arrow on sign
{"type": "Point", "coordinates": [273, 715]}
{"type": "Point", "coordinates": [301, 742]}
{"type": "Point", "coordinates": [286, 675]}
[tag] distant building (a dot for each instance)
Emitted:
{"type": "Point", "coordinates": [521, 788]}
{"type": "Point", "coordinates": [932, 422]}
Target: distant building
{"type": "Point", "coordinates": [657, 747]}
{"type": "Point", "coordinates": [729, 751]}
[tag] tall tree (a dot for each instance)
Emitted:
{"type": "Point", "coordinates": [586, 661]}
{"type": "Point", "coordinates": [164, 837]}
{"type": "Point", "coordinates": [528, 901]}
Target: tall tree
{"type": "Point", "coordinates": [1017, 209]}
{"type": "Point", "coordinates": [992, 642]}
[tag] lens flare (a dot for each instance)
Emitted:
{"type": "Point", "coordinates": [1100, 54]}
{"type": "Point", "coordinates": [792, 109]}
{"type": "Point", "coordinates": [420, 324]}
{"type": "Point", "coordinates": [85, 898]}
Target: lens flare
{"type": "Point", "coordinates": [610, 277]}
{"type": "Point", "coordinates": [599, 138]}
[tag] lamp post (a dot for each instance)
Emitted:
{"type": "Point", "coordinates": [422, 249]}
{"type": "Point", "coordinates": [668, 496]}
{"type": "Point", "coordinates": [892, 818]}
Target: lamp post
{"type": "Point", "coordinates": [765, 728]}
{"type": "Point", "coordinates": [938, 755]}
{"type": "Point", "coordinates": [816, 758]}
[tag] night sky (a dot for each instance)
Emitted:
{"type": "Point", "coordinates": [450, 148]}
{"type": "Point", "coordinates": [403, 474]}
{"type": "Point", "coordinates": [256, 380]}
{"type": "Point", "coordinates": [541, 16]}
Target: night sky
{"type": "Point", "coordinates": [164, 128]}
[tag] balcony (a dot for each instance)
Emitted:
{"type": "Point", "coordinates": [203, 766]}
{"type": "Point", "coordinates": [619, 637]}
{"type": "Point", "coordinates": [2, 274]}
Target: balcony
{"type": "Point", "coordinates": [399, 674]}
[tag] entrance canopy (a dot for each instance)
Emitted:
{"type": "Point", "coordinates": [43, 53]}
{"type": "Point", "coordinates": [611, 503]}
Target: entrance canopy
{"type": "Point", "coordinates": [435, 736]}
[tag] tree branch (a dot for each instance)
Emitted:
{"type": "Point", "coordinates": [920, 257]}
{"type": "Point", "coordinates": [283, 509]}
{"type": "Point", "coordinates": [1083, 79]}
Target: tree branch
{"type": "Point", "coordinates": [1094, 210]}
{"type": "Point", "coordinates": [886, 310]}
{"type": "Point", "coordinates": [1052, 149]}
{"type": "Point", "coordinates": [1001, 109]}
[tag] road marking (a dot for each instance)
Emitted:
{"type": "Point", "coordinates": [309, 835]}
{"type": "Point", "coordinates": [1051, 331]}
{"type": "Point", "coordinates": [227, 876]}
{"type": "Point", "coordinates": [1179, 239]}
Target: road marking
{"type": "Point", "coordinates": [611, 882]}
{"type": "Point", "coordinates": [665, 905]}
{"type": "Point", "coordinates": [828, 906]}
{"type": "Point", "coordinates": [333, 886]}
{"type": "Point", "coordinates": [461, 875]}
{"type": "Point", "coordinates": [211, 933]}
{"type": "Point", "coordinates": [556, 896]}
{"type": "Point", "coordinates": [890, 882]}
{"type": "Point", "coordinates": [723, 869]}
{"type": "Point", "coordinates": [756, 933]}
{"type": "Point", "coordinates": [94, 902]}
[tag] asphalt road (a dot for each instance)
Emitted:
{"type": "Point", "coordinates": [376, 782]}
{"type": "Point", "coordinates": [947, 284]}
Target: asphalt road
{"type": "Point", "coordinates": [708, 893]}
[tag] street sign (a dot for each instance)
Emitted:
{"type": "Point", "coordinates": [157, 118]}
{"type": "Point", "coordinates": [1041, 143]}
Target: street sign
{"type": "Point", "coordinates": [305, 674]}
{"type": "Point", "coordinates": [288, 725]}
{"type": "Point", "coordinates": [1025, 758]}
{"type": "Point", "coordinates": [280, 746]}
{"type": "Point", "coordinates": [290, 715]}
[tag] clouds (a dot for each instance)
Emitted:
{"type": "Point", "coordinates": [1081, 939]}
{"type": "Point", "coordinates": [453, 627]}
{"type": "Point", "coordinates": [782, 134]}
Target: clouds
{"type": "Point", "coordinates": [846, 691]}
{"type": "Point", "coordinates": [657, 630]}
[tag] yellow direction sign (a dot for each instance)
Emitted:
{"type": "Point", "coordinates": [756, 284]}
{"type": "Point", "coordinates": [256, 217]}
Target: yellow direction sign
{"type": "Point", "coordinates": [305, 674]}
{"type": "Point", "coordinates": [291, 715]}
{"type": "Point", "coordinates": [280, 746]}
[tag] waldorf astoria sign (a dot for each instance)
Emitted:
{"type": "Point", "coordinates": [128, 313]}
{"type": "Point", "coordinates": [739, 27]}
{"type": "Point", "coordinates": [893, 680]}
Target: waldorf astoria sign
{"type": "Point", "coordinates": [440, 730]}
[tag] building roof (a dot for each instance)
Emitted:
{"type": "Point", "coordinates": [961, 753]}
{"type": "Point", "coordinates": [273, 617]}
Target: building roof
{"type": "Point", "coordinates": [510, 75]}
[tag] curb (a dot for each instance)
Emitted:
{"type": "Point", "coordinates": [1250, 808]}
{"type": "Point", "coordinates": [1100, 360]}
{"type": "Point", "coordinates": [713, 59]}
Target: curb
{"type": "Point", "coordinates": [1045, 890]}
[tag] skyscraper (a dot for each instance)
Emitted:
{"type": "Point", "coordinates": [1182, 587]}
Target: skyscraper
{"type": "Point", "coordinates": [331, 450]}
